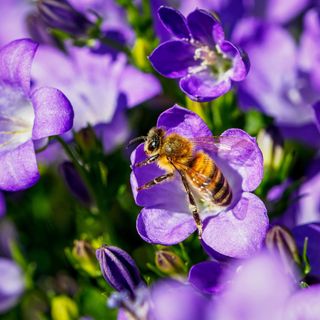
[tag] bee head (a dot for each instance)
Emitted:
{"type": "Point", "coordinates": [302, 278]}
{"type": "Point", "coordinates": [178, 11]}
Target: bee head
{"type": "Point", "coordinates": [154, 141]}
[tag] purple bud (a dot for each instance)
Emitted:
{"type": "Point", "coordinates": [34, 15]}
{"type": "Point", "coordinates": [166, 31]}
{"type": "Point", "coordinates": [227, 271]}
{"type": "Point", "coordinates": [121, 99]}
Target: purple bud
{"type": "Point", "coordinates": [118, 269]}
{"type": "Point", "coordinates": [75, 183]}
{"type": "Point", "coordinates": [59, 14]}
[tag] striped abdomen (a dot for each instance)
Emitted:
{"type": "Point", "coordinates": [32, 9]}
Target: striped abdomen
{"type": "Point", "coordinates": [206, 176]}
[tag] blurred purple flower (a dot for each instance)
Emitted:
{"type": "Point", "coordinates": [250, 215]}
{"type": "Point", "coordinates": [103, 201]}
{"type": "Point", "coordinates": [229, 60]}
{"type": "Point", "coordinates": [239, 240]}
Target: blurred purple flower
{"type": "Point", "coordinates": [288, 89]}
{"type": "Point", "coordinates": [26, 116]}
{"type": "Point", "coordinates": [305, 206]}
{"type": "Point", "coordinates": [60, 14]}
{"type": "Point", "coordinates": [206, 62]}
{"type": "Point", "coordinates": [206, 276]}
{"type": "Point", "coordinates": [232, 11]}
{"type": "Point", "coordinates": [13, 11]}
{"type": "Point", "coordinates": [310, 231]}
{"type": "Point", "coordinates": [114, 17]}
{"type": "Point", "coordinates": [176, 301]}
{"type": "Point", "coordinates": [235, 231]}
{"type": "Point", "coordinates": [2, 205]}
{"type": "Point", "coordinates": [11, 284]}
{"type": "Point", "coordinates": [99, 87]}
{"type": "Point", "coordinates": [260, 289]}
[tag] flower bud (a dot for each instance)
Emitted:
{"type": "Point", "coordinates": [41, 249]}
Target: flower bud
{"type": "Point", "coordinates": [168, 262]}
{"type": "Point", "coordinates": [59, 14]}
{"type": "Point", "coordinates": [64, 308]}
{"type": "Point", "coordinates": [75, 183]}
{"type": "Point", "coordinates": [118, 269]}
{"type": "Point", "coordinates": [280, 241]}
{"type": "Point", "coordinates": [83, 256]}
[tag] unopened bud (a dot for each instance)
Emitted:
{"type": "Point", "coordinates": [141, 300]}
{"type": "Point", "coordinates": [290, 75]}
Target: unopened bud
{"type": "Point", "coordinates": [168, 262]}
{"type": "Point", "coordinates": [83, 256]}
{"type": "Point", "coordinates": [280, 241]}
{"type": "Point", "coordinates": [74, 182]}
{"type": "Point", "coordinates": [59, 14]}
{"type": "Point", "coordinates": [118, 269]}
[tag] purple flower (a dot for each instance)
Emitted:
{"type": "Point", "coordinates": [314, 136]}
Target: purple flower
{"type": "Point", "coordinates": [26, 116]}
{"type": "Point", "coordinates": [99, 87]}
{"type": "Point", "coordinates": [310, 231]}
{"type": "Point", "coordinates": [13, 10]}
{"type": "Point", "coordinates": [114, 16]}
{"type": "Point", "coordinates": [237, 230]}
{"type": "Point", "coordinates": [206, 62]}
{"type": "Point", "coordinates": [206, 276]}
{"type": "Point", "coordinates": [288, 89]}
{"type": "Point", "coordinates": [59, 14]}
{"type": "Point", "coordinates": [11, 284]}
{"type": "Point", "coordinates": [176, 301]}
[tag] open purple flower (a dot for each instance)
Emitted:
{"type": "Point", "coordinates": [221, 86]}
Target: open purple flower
{"type": "Point", "coordinates": [236, 230]}
{"type": "Point", "coordinates": [200, 56]}
{"type": "Point", "coordinates": [26, 116]}
{"type": "Point", "coordinates": [99, 87]}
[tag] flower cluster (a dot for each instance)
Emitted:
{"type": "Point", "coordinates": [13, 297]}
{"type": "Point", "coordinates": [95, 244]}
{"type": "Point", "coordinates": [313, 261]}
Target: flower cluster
{"type": "Point", "coordinates": [218, 104]}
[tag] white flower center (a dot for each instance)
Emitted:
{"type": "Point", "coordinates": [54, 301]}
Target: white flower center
{"type": "Point", "coordinates": [213, 59]}
{"type": "Point", "coordinates": [16, 118]}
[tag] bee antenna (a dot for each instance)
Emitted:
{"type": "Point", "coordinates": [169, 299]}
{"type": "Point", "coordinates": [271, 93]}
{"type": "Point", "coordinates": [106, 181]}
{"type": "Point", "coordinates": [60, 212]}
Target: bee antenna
{"type": "Point", "coordinates": [135, 140]}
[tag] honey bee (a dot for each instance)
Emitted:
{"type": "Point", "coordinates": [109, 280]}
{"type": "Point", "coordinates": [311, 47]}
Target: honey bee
{"type": "Point", "coordinates": [201, 177]}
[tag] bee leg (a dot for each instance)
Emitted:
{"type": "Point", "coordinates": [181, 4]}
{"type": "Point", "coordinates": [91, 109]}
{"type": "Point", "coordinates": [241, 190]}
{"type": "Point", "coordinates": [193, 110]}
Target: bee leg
{"type": "Point", "coordinates": [193, 205]}
{"type": "Point", "coordinates": [146, 161]}
{"type": "Point", "coordinates": [155, 181]}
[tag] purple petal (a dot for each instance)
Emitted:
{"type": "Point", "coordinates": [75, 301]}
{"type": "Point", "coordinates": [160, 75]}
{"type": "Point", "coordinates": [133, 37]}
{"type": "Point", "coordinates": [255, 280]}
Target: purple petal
{"type": "Point", "coordinates": [282, 11]}
{"type": "Point", "coordinates": [167, 195]}
{"type": "Point", "coordinates": [304, 304]}
{"type": "Point", "coordinates": [183, 122]}
{"type": "Point", "coordinates": [205, 276]}
{"type": "Point", "coordinates": [53, 113]}
{"type": "Point", "coordinates": [316, 108]}
{"type": "Point", "coordinates": [258, 290]}
{"type": "Point", "coordinates": [243, 154]}
{"type": "Point", "coordinates": [173, 58]}
{"type": "Point", "coordinates": [204, 86]}
{"type": "Point", "coordinates": [138, 86]}
{"type": "Point", "coordinates": [240, 66]}
{"type": "Point", "coordinates": [15, 63]}
{"type": "Point", "coordinates": [238, 237]}
{"type": "Point", "coordinates": [164, 227]}
{"type": "Point", "coordinates": [173, 300]}
{"type": "Point", "coordinates": [201, 24]}
{"type": "Point", "coordinates": [312, 232]}
{"type": "Point", "coordinates": [18, 168]}
{"type": "Point", "coordinates": [174, 21]}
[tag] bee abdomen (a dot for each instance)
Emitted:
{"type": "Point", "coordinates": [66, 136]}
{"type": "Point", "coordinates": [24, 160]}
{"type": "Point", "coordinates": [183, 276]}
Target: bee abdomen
{"type": "Point", "coordinates": [212, 179]}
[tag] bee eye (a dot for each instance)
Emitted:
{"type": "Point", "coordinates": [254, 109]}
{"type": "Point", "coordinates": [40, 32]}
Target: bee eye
{"type": "Point", "coordinates": [153, 145]}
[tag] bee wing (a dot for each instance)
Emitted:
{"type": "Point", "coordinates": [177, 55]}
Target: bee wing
{"type": "Point", "coordinates": [237, 150]}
